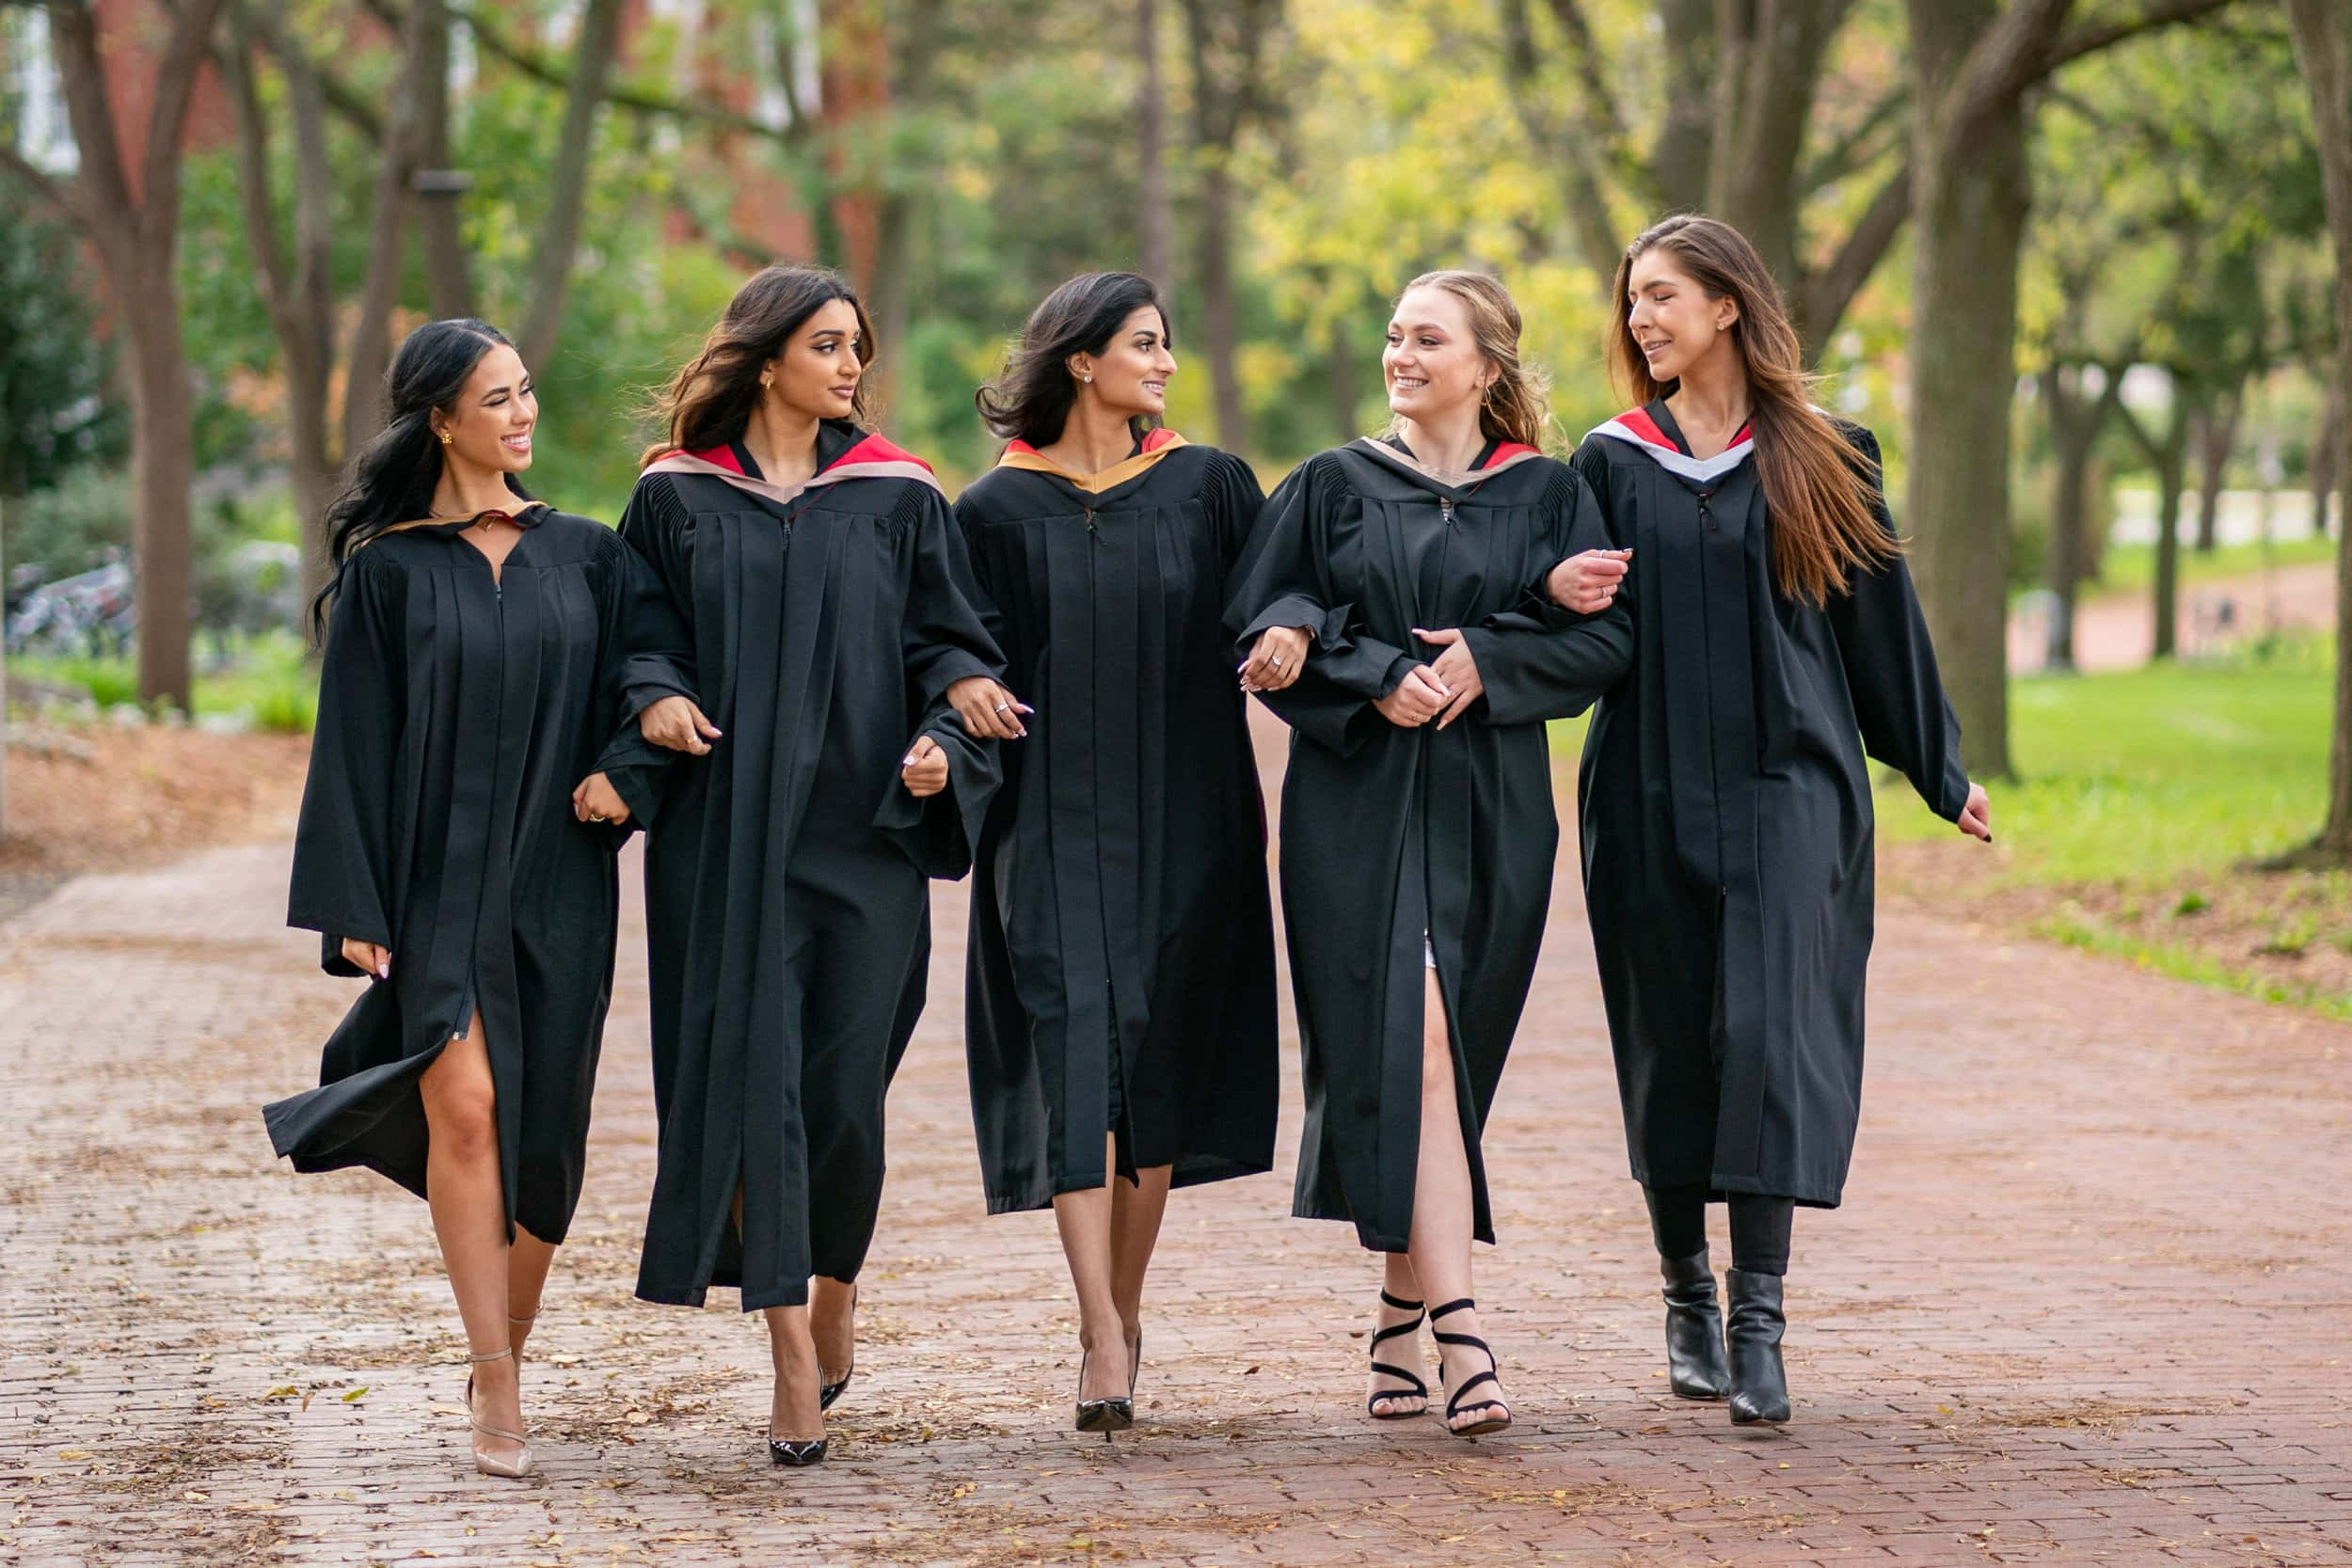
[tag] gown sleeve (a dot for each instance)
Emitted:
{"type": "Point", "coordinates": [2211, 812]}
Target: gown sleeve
{"type": "Point", "coordinates": [343, 853]}
{"type": "Point", "coordinates": [1283, 579]}
{"type": "Point", "coordinates": [1907, 721]}
{"type": "Point", "coordinates": [1233, 501]}
{"type": "Point", "coordinates": [656, 647]}
{"type": "Point", "coordinates": [643, 656]}
{"type": "Point", "coordinates": [1537, 660]}
{"type": "Point", "coordinates": [945, 640]}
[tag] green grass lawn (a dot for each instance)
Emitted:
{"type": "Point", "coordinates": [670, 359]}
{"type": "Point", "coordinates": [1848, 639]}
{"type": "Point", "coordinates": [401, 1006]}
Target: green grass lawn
{"type": "Point", "coordinates": [2156, 773]}
{"type": "Point", "coordinates": [269, 679]}
{"type": "Point", "coordinates": [2132, 568]}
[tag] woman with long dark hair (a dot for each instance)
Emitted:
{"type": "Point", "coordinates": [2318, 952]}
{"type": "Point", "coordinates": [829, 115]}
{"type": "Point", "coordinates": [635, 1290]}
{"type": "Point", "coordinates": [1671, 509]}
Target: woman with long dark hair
{"type": "Point", "coordinates": [1724, 798]}
{"type": "Point", "coordinates": [827, 611]}
{"type": "Point", "coordinates": [1119, 1021]}
{"type": "Point", "coordinates": [1418, 830]}
{"type": "Point", "coordinates": [453, 846]}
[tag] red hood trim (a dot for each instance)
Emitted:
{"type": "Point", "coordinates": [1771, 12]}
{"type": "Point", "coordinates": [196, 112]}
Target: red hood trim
{"type": "Point", "coordinates": [875, 449]}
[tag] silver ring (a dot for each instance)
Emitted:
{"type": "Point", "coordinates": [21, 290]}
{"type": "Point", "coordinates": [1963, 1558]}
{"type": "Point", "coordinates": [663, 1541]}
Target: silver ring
{"type": "Point", "coordinates": [593, 817]}
{"type": "Point", "coordinates": [1277, 662]}
{"type": "Point", "coordinates": [1004, 707]}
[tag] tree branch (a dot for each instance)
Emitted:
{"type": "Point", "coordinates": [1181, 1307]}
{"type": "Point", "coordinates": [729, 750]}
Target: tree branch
{"type": "Point", "coordinates": [1582, 183]}
{"type": "Point", "coordinates": [2092, 37]}
{"type": "Point", "coordinates": [175, 91]}
{"type": "Point", "coordinates": [559, 240]}
{"type": "Point", "coordinates": [65, 199]}
{"type": "Point", "coordinates": [234, 59]}
{"type": "Point", "coordinates": [1854, 151]}
{"type": "Point", "coordinates": [73, 44]}
{"type": "Point", "coordinates": [1602, 114]}
{"type": "Point", "coordinates": [621, 94]}
{"type": "Point", "coordinates": [1823, 297]}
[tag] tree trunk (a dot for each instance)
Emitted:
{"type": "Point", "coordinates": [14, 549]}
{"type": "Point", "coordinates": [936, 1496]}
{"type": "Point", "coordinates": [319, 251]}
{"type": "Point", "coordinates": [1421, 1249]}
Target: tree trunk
{"type": "Point", "coordinates": [567, 192]}
{"type": "Point", "coordinates": [1346, 391]}
{"type": "Point", "coordinates": [130, 209]}
{"type": "Point", "coordinates": [1966, 228]}
{"type": "Point", "coordinates": [2217, 433]}
{"type": "Point", "coordinates": [1155, 225]}
{"type": "Point", "coordinates": [2327, 446]}
{"type": "Point", "coordinates": [447, 278]}
{"type": "Point", "coordinates": [2075, 420]}
{"type": "Point", "coordinates": [1753, 171]}
{"type": "Point", "coordinates": [371, 334]}
{"type": "Point", "coordinates": [1221, 329]}
{"type": "Point", "coordinates": [162, 466]}
{"type": "Point", "coordinates": [2169, 457]}
{"type": "Point", "coordinates": [2323, 45]}
{"type": "Point", "coordinates": [1678, 165]}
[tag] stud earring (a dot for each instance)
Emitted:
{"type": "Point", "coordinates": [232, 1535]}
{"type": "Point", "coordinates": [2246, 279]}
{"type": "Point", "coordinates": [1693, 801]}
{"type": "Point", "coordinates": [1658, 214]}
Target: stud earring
{"type": "Point", "coordinates": [444, 438]}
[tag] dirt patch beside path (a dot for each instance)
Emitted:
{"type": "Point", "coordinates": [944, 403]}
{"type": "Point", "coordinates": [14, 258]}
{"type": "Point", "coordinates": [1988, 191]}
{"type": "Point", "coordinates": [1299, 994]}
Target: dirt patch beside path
{"type": "Point", "coordinates": [103, 798]}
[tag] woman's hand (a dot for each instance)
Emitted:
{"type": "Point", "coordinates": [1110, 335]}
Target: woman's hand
{"type": "Point", "coordinates": [678, 724]}
{"type": "Point", "coordinates": [376, 960]}
{"type": "Point", "coordinates": [925, 771]}
{"type": "Point", "coordinates": [596, 801]}
{"type": "Point", "coordinates": [1418, 699]}
{"type": "Point", "coordinates": [1274, 659]}
{"type": "Point", "coordinates": [1976, 817]}
{"type": "Point", "coordinates": [1588, 583]}
{"type": "Point", "coordinates": [1455, 670]}
{"type": "Point", "coordinates": [987, 711]}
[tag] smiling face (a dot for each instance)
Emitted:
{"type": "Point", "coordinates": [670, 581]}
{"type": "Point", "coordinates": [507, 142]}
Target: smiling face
{"type": "Point", "coordinates": [490, 422]}
{"type": "Point", "coordinates": [1433, 365]}
{"type": "Point", "coordinates": [817, 374]}
{"type": "Point", "coordinates": [1674, 322]}
{"type": "Point", "coordinates": [1130, 376]}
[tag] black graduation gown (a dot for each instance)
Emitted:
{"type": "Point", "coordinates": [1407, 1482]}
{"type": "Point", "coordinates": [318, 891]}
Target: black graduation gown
{"type": "Point", "coordinates": [787, 918]}
{"type": "Point", "coordinates": [1121, 898]}
{"type": "Point", "coordinates": [456, 713]}
{"type": "Point", "coordinates": [1389, 833]}
{"type": "Point", "coordinates": [1726, 820]}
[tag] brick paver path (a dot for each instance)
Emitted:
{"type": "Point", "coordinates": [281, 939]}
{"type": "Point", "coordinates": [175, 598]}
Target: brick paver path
{"type": "Point", "coordinates": [2089, 1299]}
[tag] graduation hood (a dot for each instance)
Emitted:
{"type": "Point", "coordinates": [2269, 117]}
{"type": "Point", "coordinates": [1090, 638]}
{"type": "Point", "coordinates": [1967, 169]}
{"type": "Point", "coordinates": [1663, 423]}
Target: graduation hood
{"type": "Point", "coordinates": [870, 457]}
{"type": "Point", "coordinates": [1639, 429]}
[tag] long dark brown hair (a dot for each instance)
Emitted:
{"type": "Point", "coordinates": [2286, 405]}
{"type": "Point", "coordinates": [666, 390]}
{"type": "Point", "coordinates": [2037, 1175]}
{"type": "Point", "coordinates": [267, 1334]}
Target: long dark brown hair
{"type": "Point", "coordinates": [1031, 401]}
{"type": "Point", "coordinates": [1821, 494]}
{"type": "Point", "coordinates": [710, 402]}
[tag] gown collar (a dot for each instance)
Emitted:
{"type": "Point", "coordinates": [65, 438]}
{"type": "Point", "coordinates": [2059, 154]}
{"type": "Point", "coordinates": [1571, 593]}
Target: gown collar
{"type": "Point", "coordinates": [526, 514]}
{"type": "Point", "coordinates": [843, 453]}
{"type": "Point", "coordinates": [1156, 445]}
{"type": "Point", "coordinates": [1500, 456]}
{"type": "Point", "coordinates": [1652, 430]}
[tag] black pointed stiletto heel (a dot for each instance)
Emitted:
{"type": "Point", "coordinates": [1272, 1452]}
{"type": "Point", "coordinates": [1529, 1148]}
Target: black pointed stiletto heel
{"type": "Point", "coordinates": [1104, 1416]}
{"type": "Point", "coordinates": [828, 1392]}
{"type": "Point", "coordinates": [1416, 1388]}
{"type": "Point", "coordinates": [798, 1455]}
{"type": "Point", "coordinates": [1455, 1405]}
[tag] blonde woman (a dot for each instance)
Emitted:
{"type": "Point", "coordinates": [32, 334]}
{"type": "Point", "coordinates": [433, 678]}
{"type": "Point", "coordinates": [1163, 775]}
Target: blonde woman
{"type": "Point", "coordinates": [1389, 611]}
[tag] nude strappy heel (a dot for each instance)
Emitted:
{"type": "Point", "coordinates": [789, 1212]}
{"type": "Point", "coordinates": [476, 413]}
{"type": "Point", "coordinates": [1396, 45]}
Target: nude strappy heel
{"type": "Point", "coordinates": [511, 1468]}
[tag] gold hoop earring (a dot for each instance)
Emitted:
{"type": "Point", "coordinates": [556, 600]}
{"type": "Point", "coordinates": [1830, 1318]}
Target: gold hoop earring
{"type": "Point", "coordinates": [764, 383]}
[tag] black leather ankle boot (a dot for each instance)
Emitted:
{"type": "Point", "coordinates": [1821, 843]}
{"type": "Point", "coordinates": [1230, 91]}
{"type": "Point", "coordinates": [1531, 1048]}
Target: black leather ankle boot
{"type": "Point", "coordinates": [1695, 1329]}
{"type": "Point", "coordinates": [1760, 1387]}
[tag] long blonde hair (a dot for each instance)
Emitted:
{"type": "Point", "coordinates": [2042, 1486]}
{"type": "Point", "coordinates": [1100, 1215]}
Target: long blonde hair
{"type": "Point", "coordinates": [1518, 406]}
{"type": "Point", "coordinates": [1822, 496]}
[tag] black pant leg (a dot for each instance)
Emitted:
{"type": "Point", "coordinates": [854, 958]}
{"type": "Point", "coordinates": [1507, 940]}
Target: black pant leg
{"type": "Point", "coordinates": [1760, 1229]}
{"type": "Point", "coordinates": [1677, 1219]}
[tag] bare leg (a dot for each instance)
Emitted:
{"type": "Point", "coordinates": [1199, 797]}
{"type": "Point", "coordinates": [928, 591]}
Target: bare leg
{"type": "Point", "coordinates": [527, 1265]}
{"type": "Point", "coordinates": [1441, 1241]}
{"type": "Point", "coordinates": [468, 1204]}
{"type": "Point", "coordinates": [1084, 1222]}
{"type": "Point", "coordinates": [1137, 1209]}
{"type": "Point", "coordinates": [792, 1413]}
{"type": "Point", "coordinates": [1390, 1396]}
{"type": "Point", "coordinates": [833, 1325]}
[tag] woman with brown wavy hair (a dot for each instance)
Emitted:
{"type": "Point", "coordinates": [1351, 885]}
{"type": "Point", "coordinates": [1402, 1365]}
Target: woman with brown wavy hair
{"type": "Point", "coordinates": [824, 603]}
{"type": "Point", "coordinates": [1391, 611]}
{"type": "Point", "coordinates": [1724, 797]}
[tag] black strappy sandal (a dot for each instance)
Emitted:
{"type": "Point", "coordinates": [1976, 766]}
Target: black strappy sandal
{"type": "Point", "coordinates": [1455, 1405]}
{"type": "Point", "coordinates": [1417, 1389]}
